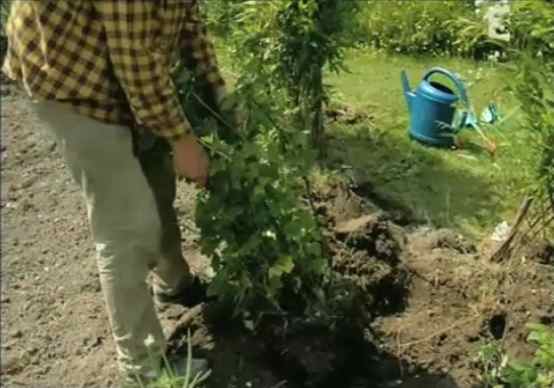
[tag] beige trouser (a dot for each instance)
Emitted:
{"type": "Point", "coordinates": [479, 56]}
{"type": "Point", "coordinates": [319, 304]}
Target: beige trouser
{"type": "Point", "coordinates": [130, 208]}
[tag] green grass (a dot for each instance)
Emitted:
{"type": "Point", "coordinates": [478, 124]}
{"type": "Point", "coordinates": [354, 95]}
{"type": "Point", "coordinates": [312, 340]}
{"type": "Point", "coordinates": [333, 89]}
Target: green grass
{"type": "Point", "coordinates": [463, 189]}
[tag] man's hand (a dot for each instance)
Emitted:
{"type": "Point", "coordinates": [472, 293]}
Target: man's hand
{"type": "Point", "coordinates": [190, 159]}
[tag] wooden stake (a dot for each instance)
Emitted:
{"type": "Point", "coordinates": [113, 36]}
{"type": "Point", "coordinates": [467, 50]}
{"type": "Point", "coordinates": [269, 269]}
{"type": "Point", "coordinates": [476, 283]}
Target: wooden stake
{"type": "Point", "coordinates": [504, 248]}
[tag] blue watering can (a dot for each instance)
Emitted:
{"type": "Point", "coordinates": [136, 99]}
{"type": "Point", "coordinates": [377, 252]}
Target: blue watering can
{"type": "Point", "coordinates": [432, 110]}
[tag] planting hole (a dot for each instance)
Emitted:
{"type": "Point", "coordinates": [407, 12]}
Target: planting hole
{"type": "Point", "coordinates": [497, 325]}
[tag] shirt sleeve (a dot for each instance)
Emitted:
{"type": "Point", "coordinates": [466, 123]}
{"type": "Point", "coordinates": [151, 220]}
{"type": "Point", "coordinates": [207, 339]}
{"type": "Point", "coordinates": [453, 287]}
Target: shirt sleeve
{"type": "Point", "coordinates": [142, 69]}
{"type": "Point", "coordinates": [198, 54]}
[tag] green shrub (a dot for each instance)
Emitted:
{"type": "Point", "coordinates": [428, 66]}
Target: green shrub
{"type": "Point", "coordinates": [440, 27]}
{"type": "Point", "coordinates": [256, 223]}
{"type": "Point", "coordinates": [261, 235]}
{"type": "Point", "coordinates": [264, 241]}
{"type": "Point", "coordinates": [540, 371]}
{"type": "Point", "coordinates": [532, 24]}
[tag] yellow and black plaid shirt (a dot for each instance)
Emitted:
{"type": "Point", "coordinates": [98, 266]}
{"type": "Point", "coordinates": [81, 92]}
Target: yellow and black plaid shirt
{"type": "Point", "coordinates": [111, 59]}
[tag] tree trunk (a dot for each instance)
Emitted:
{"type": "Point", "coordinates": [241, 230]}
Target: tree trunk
{"type": "Point", "coordinates": [317, 124]}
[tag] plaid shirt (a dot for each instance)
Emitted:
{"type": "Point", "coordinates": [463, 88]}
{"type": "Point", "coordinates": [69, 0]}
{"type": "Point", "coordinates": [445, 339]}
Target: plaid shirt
{"type": "Point", "coordinates": [111, 59]}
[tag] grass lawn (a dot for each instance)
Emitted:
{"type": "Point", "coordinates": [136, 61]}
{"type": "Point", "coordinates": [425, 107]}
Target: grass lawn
{"type": "Point", "coordinates": [465, 189]}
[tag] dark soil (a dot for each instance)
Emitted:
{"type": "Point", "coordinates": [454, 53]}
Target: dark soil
{"type": "Point", "coordinates": [412, 305]}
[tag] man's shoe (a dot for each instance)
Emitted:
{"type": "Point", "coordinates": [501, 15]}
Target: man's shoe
{"type": "Point", "coordinates": [188, 295]}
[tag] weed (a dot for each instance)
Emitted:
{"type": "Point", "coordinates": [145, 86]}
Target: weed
{"type": "Point", "coordinates": [169, 378]}
{"type": "Point", "coordinates": [499, 371]}
{"type": "Point", "coordinates": [492, 362]}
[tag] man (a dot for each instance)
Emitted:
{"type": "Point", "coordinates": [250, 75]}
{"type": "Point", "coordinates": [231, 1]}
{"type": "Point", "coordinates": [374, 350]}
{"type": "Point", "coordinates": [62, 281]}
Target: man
{"type": "Point", "coordinates": [98, 73]}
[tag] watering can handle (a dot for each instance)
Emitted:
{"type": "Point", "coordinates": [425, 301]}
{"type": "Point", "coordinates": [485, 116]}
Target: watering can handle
{"type": "Point", "coordinates": [457, 81]}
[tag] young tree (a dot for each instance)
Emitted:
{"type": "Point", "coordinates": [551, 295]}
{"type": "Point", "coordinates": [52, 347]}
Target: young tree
{"type": "Point", "coordinates": [291, 43]}
{"type": "Point", "coordinates": [255, 220]}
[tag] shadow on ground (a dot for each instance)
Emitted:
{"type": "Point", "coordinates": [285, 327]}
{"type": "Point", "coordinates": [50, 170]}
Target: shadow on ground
{"type": "Point", "coordinates": [314, 357]}
{"type": "Point", "coordinates": [401, 176]}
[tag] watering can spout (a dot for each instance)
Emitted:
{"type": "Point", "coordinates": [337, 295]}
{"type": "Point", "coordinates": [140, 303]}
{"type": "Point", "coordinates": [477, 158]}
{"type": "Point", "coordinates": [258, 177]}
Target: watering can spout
{"type": "Point", "coordinates": [407, 90]}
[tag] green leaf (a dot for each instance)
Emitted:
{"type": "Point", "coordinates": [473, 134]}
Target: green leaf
{"type": "Point", "coordinates": [283, 265]}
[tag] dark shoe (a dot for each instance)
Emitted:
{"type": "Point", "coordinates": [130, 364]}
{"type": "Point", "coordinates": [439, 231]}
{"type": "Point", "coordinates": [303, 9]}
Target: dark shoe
{"type": "Point", "coordinates": [188, 295]}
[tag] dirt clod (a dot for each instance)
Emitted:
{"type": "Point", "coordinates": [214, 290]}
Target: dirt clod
{"type": "Point", "coordinates": [428, 239]}
{"type": "Point", "coordinates": [367, 260]}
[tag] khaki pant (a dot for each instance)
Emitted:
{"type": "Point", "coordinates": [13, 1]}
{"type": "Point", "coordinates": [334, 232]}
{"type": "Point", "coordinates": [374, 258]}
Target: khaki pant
{"type": "Point", "coordinates": [130, 208]}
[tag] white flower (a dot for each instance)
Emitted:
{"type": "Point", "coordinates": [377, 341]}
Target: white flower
{"type": "Point", "coordinates": [149, 341]}
{"type": "Point", "coordinates": [270, 234]}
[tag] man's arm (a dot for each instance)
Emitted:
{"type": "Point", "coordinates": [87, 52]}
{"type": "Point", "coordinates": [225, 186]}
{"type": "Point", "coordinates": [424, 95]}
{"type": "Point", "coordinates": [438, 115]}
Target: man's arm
{"type": "Point", "coordinates": [141, 69]}
{"type": "Point", "coordinates": [144, 75]}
